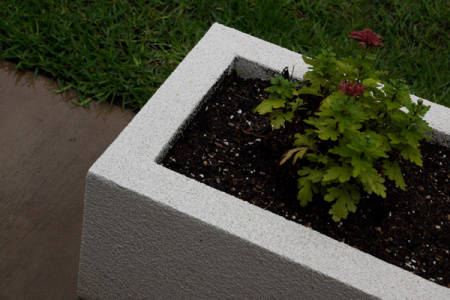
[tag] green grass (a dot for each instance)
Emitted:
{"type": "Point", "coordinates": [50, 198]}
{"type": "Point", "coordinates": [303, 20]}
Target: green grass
{"type": "Point", "coordinates": [122, 51]}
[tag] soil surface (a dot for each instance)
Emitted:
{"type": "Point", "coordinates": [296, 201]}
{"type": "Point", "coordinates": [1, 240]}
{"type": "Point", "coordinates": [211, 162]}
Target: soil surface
{"type": "Point", "coordinates": [234, 150]}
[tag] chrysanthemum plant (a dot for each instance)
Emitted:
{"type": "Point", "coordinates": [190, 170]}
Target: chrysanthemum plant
{"type": "Point", "coordinates": [357, 125]}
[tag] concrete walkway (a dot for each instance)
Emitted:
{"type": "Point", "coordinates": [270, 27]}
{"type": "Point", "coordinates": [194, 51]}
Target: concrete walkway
{"type": "Point", "coordinates": [47, 145]}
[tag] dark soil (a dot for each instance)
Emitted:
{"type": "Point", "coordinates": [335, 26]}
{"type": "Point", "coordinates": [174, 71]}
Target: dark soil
{"type": "Point", "coordinates": [232, 149]}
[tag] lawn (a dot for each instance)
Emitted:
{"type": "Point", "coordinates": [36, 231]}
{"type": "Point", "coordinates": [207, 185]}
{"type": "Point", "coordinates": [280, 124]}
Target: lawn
{"type": "Point", "coordinates": [121, 51]}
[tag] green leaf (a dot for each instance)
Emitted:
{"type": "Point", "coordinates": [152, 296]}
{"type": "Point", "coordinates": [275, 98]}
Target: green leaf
{"type": "Point", "coordinates": [281, 88]}
{"type": "Point", "coordinates": [370, 83]}
{"type": "Point", "coordinates": [393, 172]}
{"type": "Point", "coordinates": [327, 130]}
{"type": "Point", "coordinates": [413, 136]}
{"type": "Point", "coordinates": [346, 196]}
{"type": "Point", "coordinates": [373, 182]}
{"type": "Point", "coordinates": [412, 154]}
{"type": "Point", "coordinates": [296, 104]}
{"type": "Point", "coordinates": [337, 172]}
{"type": "Point", "coordinates": [343, 150]}
{"type": "Point", "coordinates": [398, 116]}
{"type": "Point", "coordinates": [346, 124]}
{"type": "Point", "coordinates": [375, 153]}
{"type": "Point", "coordinates": [278, 118]}
{"type": "Point", "coordinates": [303, 140]}
{"type": "Point", "coordinates": [366, 145]}
{"type": "Point", "coordinates": [314, 175]}
{"type": "Point", "coordinates": [319, 158]}
{"type": "Point", "coordinates": [307, 90]}
{"type": "Point", "coordinates": [383, 143]}
{"type": "Point", "coordinates": [305, 193]}
{"type": "Point", "coordinates": [268, 105]}
{"type": "Point", "coordinates": [280, 91]}
{"type": "Point", "coordinates": [346, 68]}
{"type": "Point", "coordinates": [395, 137]}
{"type": "Point", "coordinates": [304, 171]}
{"type": "Point", "coordinates": [309, 61]}
{"type": "Point", "coordinates": [360, 165]}
{"type": "Point", "coordinates": [354, 155]}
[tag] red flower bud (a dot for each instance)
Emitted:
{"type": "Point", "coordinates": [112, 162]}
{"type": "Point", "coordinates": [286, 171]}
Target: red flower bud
{"type": "Point", "coordinates": [367, 38]}
{"type": "Point", "coordinates": [352, 89]}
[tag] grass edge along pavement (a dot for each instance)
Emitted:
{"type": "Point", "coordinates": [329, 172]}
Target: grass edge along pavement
{"type": "Point", "coordinates": [122, 51]}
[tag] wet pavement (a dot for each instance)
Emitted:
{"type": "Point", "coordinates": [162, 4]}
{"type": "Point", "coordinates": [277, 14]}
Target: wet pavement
{"type": "Point", "coordinates": [47, 145]}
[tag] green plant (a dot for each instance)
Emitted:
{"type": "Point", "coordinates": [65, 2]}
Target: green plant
{"type": "Point", "coordinates": [356, 124]}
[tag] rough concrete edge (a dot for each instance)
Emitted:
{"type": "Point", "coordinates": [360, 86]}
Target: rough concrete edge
{"type": "Point", "coordinates": [219, 34]}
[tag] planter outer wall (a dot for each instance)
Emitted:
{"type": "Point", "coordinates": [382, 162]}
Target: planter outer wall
{"type": "Point", "coordinates": [151, 233]}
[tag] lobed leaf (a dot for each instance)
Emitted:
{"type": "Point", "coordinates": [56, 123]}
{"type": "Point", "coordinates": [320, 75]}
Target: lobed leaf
{"type": "Point", "coordinates": [278, 118]}
{"type": "Point", "coordinates": [373, 182]}
{"type": "Point", "coordinates": [315, 175]}
{"type": "Point", "coordinates": [393, 172]}
{"type": "Point", "coordinates": [305, 193]}
{"type": "Point", "coordinates": [371, 83]}
{"type": "Point", "coordinates": [303, 140]}
{"type": "Point", "coordinates": [412, 154]}
{"type": "Point", "coordinates": [337, 172]}
{"type": "Point", "coordinates": [346, 68]}
{"type": "Point", "coordinates": [308, 91]}
{"type": "Point", "coordinates": [308, 60]}
{"type": "Point", "coordinates": [346, 196]}
{"type": "Point", "coordinates": [268, 105]}
{"type": "Point", "coordinates": [296, 105]}
{"type": "Point", "coordinates": [327, 130]}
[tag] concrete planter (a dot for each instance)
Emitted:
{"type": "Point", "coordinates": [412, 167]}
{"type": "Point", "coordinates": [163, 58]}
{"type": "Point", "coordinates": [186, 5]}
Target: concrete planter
{"type": "Point", "coordinates": [151, 233]}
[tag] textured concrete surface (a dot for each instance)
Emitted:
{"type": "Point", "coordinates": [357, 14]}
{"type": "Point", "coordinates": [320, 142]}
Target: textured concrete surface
{"type": "Point", "coordinates": [46, 148]}
{"type": "Point", "coordinates": [150, 233]}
